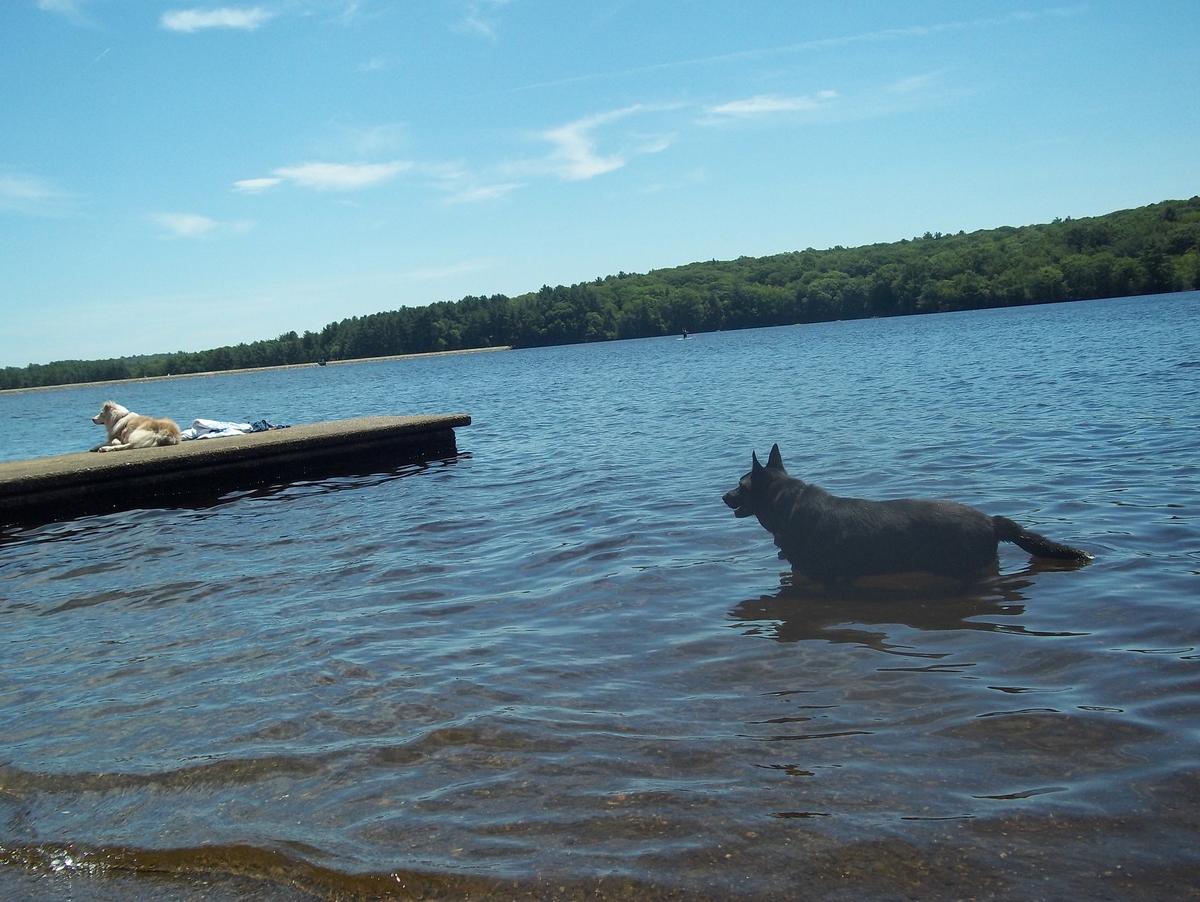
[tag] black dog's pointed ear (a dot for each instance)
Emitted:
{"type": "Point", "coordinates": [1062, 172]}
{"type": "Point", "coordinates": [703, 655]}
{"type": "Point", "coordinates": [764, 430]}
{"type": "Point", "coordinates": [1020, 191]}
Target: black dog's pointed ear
{"type": "Point", "coordinates": [755, 466]}
{"type": "Point", "coordinates": [775, 460]}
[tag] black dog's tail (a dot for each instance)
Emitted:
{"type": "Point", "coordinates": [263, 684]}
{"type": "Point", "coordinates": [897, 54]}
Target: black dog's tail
{"type": "Point", "coordinates": [1038, 546]}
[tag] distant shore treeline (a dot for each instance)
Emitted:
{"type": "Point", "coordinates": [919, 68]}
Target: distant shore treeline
{"type": "Point", "coordinates": [1147, 250]}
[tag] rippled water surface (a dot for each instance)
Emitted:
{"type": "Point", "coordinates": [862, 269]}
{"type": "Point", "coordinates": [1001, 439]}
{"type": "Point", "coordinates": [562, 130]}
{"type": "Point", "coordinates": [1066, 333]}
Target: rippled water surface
{"type": "Point", "coordinates": [557, 665]}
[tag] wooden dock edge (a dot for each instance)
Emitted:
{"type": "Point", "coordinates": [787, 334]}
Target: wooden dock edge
{"type": "Point", "coordinates": [71, 485]}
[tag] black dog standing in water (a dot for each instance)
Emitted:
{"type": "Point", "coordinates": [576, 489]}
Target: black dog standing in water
{"type": "Point", "coordinates": [837, 540]}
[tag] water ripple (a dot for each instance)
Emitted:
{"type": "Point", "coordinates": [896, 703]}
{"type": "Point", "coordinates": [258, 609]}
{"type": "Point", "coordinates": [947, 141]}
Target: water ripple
{"type": "Point", "coordinates": [555, 666]}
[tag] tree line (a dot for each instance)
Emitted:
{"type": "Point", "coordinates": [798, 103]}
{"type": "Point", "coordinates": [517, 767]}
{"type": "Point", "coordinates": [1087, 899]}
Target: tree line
{"type": "Point", "coordinates": [1147, 250]}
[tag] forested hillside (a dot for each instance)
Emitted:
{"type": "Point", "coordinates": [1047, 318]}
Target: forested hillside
{"type": "Point", "coordinates": [1147, 250]}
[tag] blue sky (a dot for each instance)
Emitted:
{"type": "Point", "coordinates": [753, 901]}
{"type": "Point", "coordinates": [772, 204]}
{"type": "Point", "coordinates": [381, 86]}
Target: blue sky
{"type": "Point", "coordinates": [178, 176]}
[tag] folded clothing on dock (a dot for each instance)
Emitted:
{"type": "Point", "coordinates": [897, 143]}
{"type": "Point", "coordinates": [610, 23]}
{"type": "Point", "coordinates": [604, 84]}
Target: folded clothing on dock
{"type": "Point", "coordinates": [219, 429]}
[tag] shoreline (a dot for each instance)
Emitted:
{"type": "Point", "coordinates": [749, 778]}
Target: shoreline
{"type": "Point", "coordinates": [253, 369]}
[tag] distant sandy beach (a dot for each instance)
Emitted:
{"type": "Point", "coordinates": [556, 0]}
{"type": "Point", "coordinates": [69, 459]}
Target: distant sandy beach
{"type": "Point", "coordinates": [253, 369]}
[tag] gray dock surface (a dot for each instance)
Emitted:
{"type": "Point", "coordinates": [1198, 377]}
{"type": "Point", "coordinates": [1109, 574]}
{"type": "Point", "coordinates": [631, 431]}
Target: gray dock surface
{"type": "Point", "coordinates": [71, 485]}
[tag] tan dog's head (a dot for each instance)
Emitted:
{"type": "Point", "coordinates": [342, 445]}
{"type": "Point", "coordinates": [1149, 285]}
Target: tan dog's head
{"type": "Point", "coordinates": [109, 414]}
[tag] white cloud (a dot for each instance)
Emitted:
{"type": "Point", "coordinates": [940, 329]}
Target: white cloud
{"type": "Point", "coordinates": [913, 83]}
{"type": "Point", "coordinates": [348, 13]}
{"type": "Point", "coordinates": [479, 18]}
{"type": "Point", "coordinates": [438, 273]}
{"type": "Point", "coordinates": [882, 36]}
{"type": "Point", "coordinates": [461, 186]}
{"type": "Point", "coordinates": [193, 225]}
{"type": "Point", "coordinates": [31, 195]}
{"type": "Point", "coordinates": [679, 180]}
{"type": "Point", "coordinates": [340, 176]}
{"type": "Point", "coordinates": [447, 176]}
{"type": "Point", "coordinates": [372, 141]}
{"type": "Point", "coordinates": [72, 9]}
{"type": "Point", "coordinates": [655, 144]}
{"type": "Point", "coordinates": [14, 188]}
{"type": "Point", "coordinates": [320, 176]}
{"type": "Point", "coordinates": [184, 225]}
{"type": "Point", "coordinates": [575, 157]}
{"type": "Point", "coordinates": [246, 18]}
{"type": "Point", "coordinates": [483, 193]}
{"type": "Point", "coordinates": [255, 186]}
{"type": "Point", "coordinates": [768, 104]}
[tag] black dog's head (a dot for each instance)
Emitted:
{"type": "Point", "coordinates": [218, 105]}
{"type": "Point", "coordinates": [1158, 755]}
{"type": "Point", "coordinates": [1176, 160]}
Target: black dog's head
{"type": "Point", "coordinates": [751, 489]}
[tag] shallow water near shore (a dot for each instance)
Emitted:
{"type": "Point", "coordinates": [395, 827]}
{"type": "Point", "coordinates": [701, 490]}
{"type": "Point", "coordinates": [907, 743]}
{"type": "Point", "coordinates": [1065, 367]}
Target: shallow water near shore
{"type": "Point", "coordinates": [556, 665]}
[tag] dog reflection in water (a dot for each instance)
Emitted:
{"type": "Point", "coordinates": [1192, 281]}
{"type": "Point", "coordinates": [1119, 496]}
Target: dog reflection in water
{"type": "Point", "coordinates": [837, 541]}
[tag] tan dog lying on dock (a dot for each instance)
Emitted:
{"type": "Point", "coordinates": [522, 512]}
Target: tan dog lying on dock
{"type": "Point", "coordinates": [128, 430]}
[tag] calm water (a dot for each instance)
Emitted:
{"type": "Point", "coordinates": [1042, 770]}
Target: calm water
{"type": "Point", "coordinates": [557, 665]}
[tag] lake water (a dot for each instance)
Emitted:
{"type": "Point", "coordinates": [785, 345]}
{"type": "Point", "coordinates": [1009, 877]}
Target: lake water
{"type": "Point", "coordinates": [556, 665]}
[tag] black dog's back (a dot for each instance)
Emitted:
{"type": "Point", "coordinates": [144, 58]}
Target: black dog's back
{"type": "Point", "coordinates": [829, 538]}
{"type": "Point", "coordinates": [832, 539]}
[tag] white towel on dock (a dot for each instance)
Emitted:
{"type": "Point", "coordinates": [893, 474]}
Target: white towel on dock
{"type": "Point", "coordinates": [213, 429]}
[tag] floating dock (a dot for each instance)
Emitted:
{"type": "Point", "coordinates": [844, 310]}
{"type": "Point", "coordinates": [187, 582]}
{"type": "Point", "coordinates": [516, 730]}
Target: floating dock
{"type": "Point", "coordinates": [72, 485]}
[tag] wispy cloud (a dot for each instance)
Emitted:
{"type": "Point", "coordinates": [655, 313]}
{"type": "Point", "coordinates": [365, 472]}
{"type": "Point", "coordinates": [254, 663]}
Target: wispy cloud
{"type": "Point", "coordinates": [767, 105]}
{"type": "Point", "coordinates": [480, 18]}
{"type": "Point", "coordinates": [910, 93]}
{"type": "Point", "coordinates": [74, 11]}
{"type": "Point", "coordinates": [71, 10]}
{"type": "Point", "coordinates": [326, 176]}
{"type": "Point", "coordinates": [348, 12]}
{"type": "Point", "coordinates": [483, 193]}
{"type": "Point", "coordinates": [255, 186]}
{"type": "Point", "coordinates": [241, 18]}
{"type": "Point", "coordinates": [438, 273]}
{"type": "Point", "coordinates": [575, 147]}
{"type": "Point", "coordinates": [342, 176]}
{"type": "Point", "coordinates": [680, 180]}
{"type": "Point", "coordinates": [368, 141]}
{"type": "Point", "coordinates": [31, 196]}
{"type": "Point", "coordinates": [184, 225]}
{"type": "Point", "coordinates": [575, 155]}
{"type": "Point", "coordinates": [194, 225]}
{"type": "Point", "coordinates": [61, 7]}
{"type": "Point", "coordinates": [835, 42]}
{"type": "Point", "coordinates": [459, 185]}
{"type": "Point", "coordinates": [584, 148]}
{"type": "Point", "coordinates": [913, 83]}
